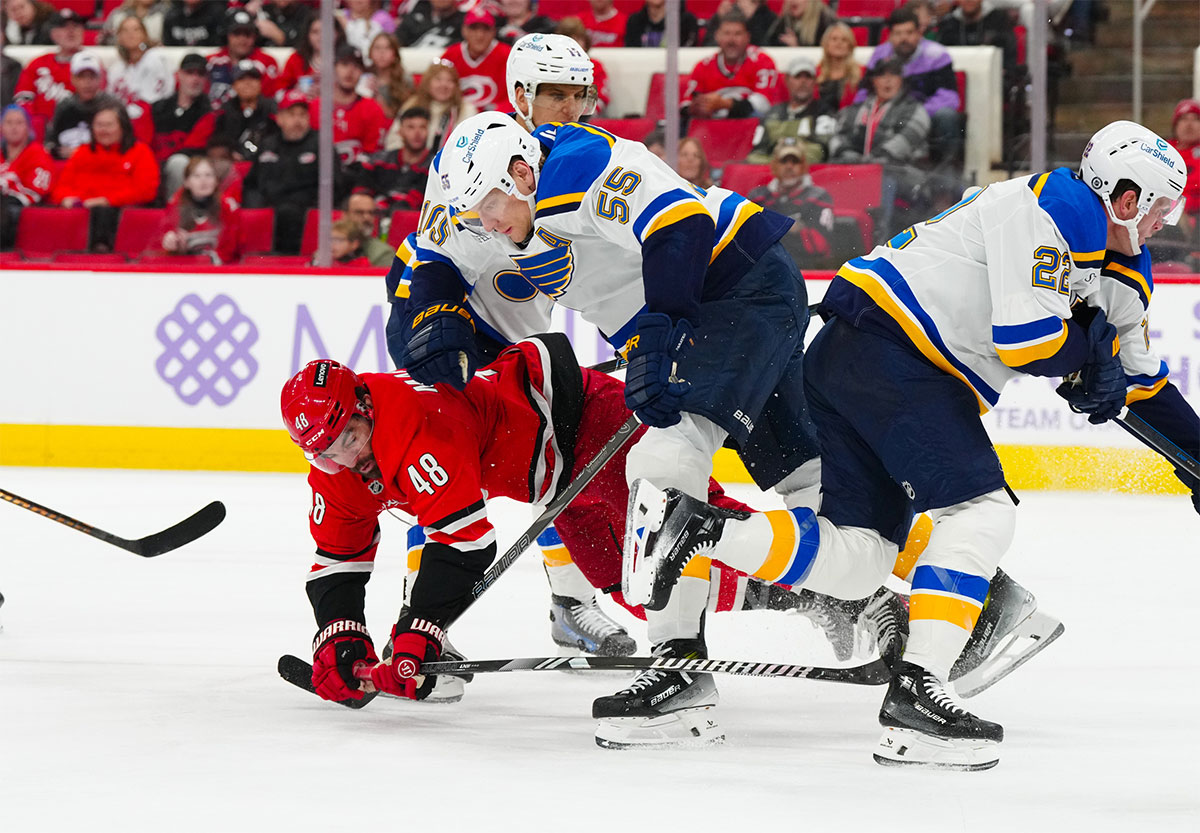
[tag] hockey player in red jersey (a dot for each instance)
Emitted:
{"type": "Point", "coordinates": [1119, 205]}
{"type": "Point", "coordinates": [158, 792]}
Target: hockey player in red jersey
{"type": "Point", "coordinates": [522, 428]}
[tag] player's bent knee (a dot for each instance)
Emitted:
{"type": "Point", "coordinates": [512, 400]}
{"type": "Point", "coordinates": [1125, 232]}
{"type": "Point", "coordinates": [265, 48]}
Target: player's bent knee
{"type": "Point", "coordinates": [852, 562]}
{"type": "Point", "coordinates": [972, 536]}
{"type": "Point", "coordinates": [674, 457]}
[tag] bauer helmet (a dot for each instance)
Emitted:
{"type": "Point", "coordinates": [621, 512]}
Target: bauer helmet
{"type": "Point", "coordinates": [548, 59]}
{"type": "Point", "coordinates": [1126, 150]}
{"type": "Point", "coordinates": [475, 160]}
{"type": "Point", "coordinates": [317, 404]}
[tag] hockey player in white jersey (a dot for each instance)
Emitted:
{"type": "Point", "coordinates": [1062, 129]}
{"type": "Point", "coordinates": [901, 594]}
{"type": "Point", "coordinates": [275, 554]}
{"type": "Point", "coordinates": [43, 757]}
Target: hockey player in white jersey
{"type": "Point", "coordinates": [1041, 275]}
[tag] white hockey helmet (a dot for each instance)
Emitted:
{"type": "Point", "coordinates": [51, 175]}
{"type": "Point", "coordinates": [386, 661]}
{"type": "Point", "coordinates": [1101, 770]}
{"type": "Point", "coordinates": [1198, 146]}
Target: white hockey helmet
{"type": "Point", "coordinates": [548, 59]}
{"type": "Point", "coordinates": [1127, 150]}
{"type": "Point", "coordinates": [475, 160]}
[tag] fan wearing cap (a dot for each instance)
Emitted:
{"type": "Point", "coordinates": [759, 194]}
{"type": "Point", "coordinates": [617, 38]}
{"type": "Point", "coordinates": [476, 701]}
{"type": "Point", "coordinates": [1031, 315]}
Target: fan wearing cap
{"type": "Point", "coordinates": [68, 127]}
{"type": "Point", "coordinates": [805, 116]}
{"type": "Point", "coordinates": [431, 24]}
{"type": "Point", "coordinates": [175, 116]}
{"type": "Point", "coordinates": [481, 61]}
{"type": "Point", "coordinates": [46, 80]}
{"type": "Point", "coordinates": [1185, 127]}
{"type": "Point", "coordinates": [241, 36]}
{"type": "Point", "coordinates": [791, 192]}
{"type": "Point", "coordinates": [243, 122]}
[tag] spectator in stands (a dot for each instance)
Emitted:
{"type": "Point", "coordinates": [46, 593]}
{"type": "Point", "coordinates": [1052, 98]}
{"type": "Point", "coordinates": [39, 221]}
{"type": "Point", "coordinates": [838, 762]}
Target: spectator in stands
{"type": "Point", "coordinates": [838, 74]}
{"type": "Point", "coordinates": [739, 81]}
{"type": "Point", "coordinates": [439, 94]}
{"type": "Point", "coordinates": [647, 26]}
{"type": "Point", "coordinates": [244, 121]}
{"type": "Point", "coordinates": [433, 24]}
{"type": "Point", "coordinates": [974, 24]}
{"type": "Point", "coordinates": [573, 28]}
{"type": "Point", "coordinates": [152, 13]}
{"type": "Point", "coordinates": [1185, 130]}
{"type": "Point", "coordinates": [358, 122]}
{"type": "Point", "coordinates": [69, 126]}
{"type": "Point", "coordinates": [605, 23]}
{"type": "Point", "coordinates": [346, 239]}
{"type": "Point", "coordinates": [27, 21]}
{"type": "Point", "coordinates": [805, 117]}
{"type": "Point", "coordinates": [302, 70]}
{"type": "Point", "coordinates": [520, 20]}
{"type": "Point", "coordinates": [111, 171]}
{"type": "Point", "coordinates": [141, 72]}
{"type": "Point", "coordinates": [281, 22]}
{"type": "Point", "coordinates": [481, 61]}
{"type": "Point", "coordinates": [792, 193]}
{"type": "Point", "coordinates": [200, 220]}
{"type": "Point", "coordinates": [25, 171]}
{"type": "Point", "coordinates": [928, 15]}
{"type": "Point", "coordinates": [219, 151]}
{"type": "Point", "coordinates": [47, 78]}
{"type": "Point", "coordinates": [10, 71]}
{"type": "Point", "coordinates": [398, 176]}
{"type": "Point", "coordinates": [284, 176]}
{"type": "Point", "coordinates": [929, 78]}
{"type": "Point", "coordinates": [758, 20]}
{"type": "Point", "coordinates": [362, 210]}
{"type": "Point", "coordinates": [363, 20]}
{"type": "Point", "coordinates": [240, 37]}
{"type": "Point", "coordinates": [693, 163]}
{"type": "Point", "coordinates": [802, 23]}
{"type": "Point", "coordinates": [176, 117]}
{"type": "Point", "coordinates": [656, 142]}
{"type": "Point", "coordinates": [193, 23]}
{"type": "Point", "coordinates": [387, 82]}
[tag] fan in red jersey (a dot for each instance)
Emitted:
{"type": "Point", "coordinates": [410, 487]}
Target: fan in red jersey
{"type": "Point", "coordinates": [481, 61]}
{"type": "Point", "coordinates": [739, 81]}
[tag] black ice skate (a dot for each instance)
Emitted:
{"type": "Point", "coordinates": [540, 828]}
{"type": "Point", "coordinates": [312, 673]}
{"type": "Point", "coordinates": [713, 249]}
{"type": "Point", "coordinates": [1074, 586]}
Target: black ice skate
{"type": "Point", "coordinates": [1010, 632]}
{"type": "Point", "coordinates": [664, 531]}
{"type": "Point", "coordinates": [661, 708]}
{"type": "Point", "coordinates": [582, 627]}
{"type": "Point", "coordinates": [836, 618]}
{"type": "Point", "coordinates": [882, 625]}
{"type": "Point", "coordinates": [924, 726]}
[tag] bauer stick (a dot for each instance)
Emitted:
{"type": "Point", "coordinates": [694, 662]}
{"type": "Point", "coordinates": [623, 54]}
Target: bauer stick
{"type": "Point", "coordinates": [1149, 435]}
{"type": "Point", "coordinates": [174, 537]}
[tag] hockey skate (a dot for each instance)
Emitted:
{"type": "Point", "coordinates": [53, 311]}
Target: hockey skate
{"type": "Point", "coordinates": [661, 708]}
{"type": "Point", "coordinates": [835, 617]}
{"type": "Point", "coordinates": [882, 624]}
{"type": "Point", "coordinates": [582, 627]}
{"type": "Point", "coordinates": [664, 531]}
{"type": "Point", "coordinates": [924, 726]}
{"type": "Point", "coordinates": [1009, 633]}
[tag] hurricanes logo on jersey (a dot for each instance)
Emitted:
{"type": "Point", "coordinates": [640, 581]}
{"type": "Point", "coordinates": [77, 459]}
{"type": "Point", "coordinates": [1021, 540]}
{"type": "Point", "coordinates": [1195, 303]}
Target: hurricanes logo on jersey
{"type": "Point", "coordinates": [550, 270]}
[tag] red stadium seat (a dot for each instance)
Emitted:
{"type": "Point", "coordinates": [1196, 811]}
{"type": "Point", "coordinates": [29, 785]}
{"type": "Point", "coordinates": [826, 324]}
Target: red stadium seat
{"type": "Point", "coordinates": [308, 242]}
{"type": "Point", "coordinates": [855, 189]}
{"type": "Point", "coordinates": [960, 78]}
{"type": "Point", "coordinates": [265, 262]}
{"type": "Point", "coordinates": [90, 259]}
{"type": "Point", "coordinates": [403, 223]}
{"type": "Point", "coordinates": [724, 140]}
{"type": "Point", "coordinates": [865, 8]}
{"type": "Point", "coordinates": [177, 261]}
{"type": "Point", "coordinates": [655, 110]}
{"type": "Point", "coordinates": [138, 231]}
{"type": "Point", "coordinates": [743, 177]}
{"type": "Point", "coordinates": [633, 129]}
{"type": "Point", "coordinates": [256, 230]}
{"type": "Point", "coordinates": [48, 230]}
{"type": "Point", "coordinates": [84, 8]}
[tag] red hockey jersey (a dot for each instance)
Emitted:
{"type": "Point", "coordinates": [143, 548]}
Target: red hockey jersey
{"type": "Point", "coordinates": [26, 176]}
{"type": "Point", "coordinates": [755, 79]}
{"type": "Point", "coordinates": [43, 83]}
{"type": "Point", "coordinates": [358, 127]}
{"type": "Point", "coordinates": [607, 32]}
{"type": "Point", "coordinates": [482, 81]}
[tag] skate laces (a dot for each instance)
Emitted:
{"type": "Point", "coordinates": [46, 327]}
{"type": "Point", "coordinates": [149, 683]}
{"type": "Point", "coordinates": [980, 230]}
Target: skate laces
{"type": "Point", "coordinates": [593, 619]}
{"type": "Point", "coordinates": [936, 691]}
{"type": "Point", "coordinates": [644, 680]}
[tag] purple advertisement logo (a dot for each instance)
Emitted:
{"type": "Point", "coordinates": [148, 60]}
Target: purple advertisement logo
{"type": "Point", "coordinates": [207, 349]}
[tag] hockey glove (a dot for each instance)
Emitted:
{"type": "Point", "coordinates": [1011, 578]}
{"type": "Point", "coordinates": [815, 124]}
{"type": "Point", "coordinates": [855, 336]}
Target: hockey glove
{"type": "Point", "coordinates": [414, 641]}
{"type": "Point", "coordinates": [652, 389]}
{"type": "Point", "coordinates": [441, 346]}
{"type": "Point", "coordinates": [339, 646]}
{"type": "Point", "coordinates": [1099, 388]}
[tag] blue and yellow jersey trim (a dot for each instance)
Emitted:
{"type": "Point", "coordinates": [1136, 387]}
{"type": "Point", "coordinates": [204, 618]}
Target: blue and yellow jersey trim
{"type": "Point", "coordinates": [1076, 211]}
{"type": "Point", "coordinates": [405, 258]}
{"type": "Point", "coordinates": [947, 595]}
{"type": "Point", "coordinates": [884, 284]}
{"type": "Point", "coordinates": [578, 155]}
{"type": "Point", "coordinates": [665, 209]}
{"type": "Point", "coordinates": [1021, 344]}
{"type": "Point", "coordinates": [735, 210]}
{"type": "Point", "coordinates": [554, 551]}
{"type": "Point", "coordinates": [1144, 386]}
{"type": "Point", "coordinates": [1132, 271]}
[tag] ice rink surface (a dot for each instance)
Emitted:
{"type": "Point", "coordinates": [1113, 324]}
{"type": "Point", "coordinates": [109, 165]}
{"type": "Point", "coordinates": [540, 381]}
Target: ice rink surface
{"type": "Point", "coordinates": [141, 695]}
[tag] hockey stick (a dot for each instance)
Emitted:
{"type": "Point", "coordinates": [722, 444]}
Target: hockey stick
{"type": "Point", "coordinates": [299, 673]}
{"type": "Point", "coordinates": [174, 537]}
{"type": "Point", "coordinates": [1149, 435]}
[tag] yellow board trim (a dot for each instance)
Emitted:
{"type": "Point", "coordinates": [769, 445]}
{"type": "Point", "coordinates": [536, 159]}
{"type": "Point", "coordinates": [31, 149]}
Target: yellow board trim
{"type": "Point", "coordinates": [1062, 468]}
{"type": "Point", "coordinates": [943, 609]}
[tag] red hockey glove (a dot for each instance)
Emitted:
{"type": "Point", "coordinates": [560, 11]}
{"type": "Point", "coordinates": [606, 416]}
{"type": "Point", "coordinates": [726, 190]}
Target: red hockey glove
{"type": "Point", "coordinates": [338, 647]}
{"type": "Point", "coordinates": [414, 641]}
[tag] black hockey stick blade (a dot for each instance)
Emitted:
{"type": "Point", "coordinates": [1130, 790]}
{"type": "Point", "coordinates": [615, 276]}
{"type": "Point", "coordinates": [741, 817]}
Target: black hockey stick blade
{"type": "Point", "coordinates": [184, 532]}
{"type": "Point", "coordinates": [1150, 435]}
{"type": "Point", "coordinates": [299, 673]}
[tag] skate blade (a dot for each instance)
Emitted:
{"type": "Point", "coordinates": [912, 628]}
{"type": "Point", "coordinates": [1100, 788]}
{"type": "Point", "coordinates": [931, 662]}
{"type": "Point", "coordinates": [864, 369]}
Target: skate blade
{"type": "Point", "coordinates": [905, 747]}
{"type": "Point", "coordinates": [685, 729]}
{"type": "Point", "coordinates": [1029, 639]}
{"type": "Point", "coordinates": [647, 509]}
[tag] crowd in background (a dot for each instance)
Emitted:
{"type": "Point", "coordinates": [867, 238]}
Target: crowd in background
{"type": "Point", "coordinates": [231, 128]}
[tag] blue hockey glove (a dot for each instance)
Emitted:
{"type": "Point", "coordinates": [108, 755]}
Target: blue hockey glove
{"type": "Point", "coordinates": [652, 389]}
{"type": "Point", "coordinates": [441, 346]}
{"type": "Point", "coordinates": [1098, 389]}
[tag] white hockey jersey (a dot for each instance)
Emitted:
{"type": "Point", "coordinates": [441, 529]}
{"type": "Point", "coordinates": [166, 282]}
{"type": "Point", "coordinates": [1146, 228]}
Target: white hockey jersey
{"type": "Point", "coordinates": [984, 289]}
{"type": "Point", "coordinates": [1124, 292]}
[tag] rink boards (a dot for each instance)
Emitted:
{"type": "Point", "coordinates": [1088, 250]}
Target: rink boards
{"type": "Point", "coordinates": [183, 371]}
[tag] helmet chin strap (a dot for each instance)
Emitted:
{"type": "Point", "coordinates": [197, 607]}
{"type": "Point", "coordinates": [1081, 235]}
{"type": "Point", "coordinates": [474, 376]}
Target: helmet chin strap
{"type": "Point", "coordinates": [1130, 226]}
{"type": "Point", "coordinates": [527, 118]}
